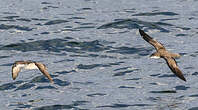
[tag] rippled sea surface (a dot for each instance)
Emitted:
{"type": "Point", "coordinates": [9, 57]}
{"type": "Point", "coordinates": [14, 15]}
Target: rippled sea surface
{"type": "Point", "coordinates": [96, 56]}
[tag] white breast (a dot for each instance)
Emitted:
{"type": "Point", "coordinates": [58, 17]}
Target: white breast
{"type": "Point", "coordinates": [30, 66]}
{"type": "Point", "coordinates": [155, 57]}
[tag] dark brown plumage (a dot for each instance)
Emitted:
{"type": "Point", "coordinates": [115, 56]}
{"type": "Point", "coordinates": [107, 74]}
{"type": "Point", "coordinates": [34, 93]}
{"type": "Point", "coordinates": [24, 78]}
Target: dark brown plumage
{"type": "Point", "coordinates": [161, 52]}
{"type": "Point", "coordinates": [18, 65]}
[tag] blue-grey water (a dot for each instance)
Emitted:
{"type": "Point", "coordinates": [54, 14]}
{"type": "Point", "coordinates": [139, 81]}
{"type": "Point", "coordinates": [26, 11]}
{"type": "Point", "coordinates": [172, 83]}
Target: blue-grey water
{"type": "Point", "coordinates": [96, 56]}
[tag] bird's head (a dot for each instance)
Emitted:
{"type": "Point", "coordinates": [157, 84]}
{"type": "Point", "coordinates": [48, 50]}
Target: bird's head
{"type": "Point", "coordinates": [155, 55]}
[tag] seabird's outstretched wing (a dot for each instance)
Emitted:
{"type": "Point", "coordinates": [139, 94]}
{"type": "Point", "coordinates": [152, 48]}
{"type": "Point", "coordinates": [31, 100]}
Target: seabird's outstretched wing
{"type": "Point", "coordinates": [16, 68]}
{"type": "Point", "coordinates": [150, 40]}
{"type": "Point", "coordinates": [18, 65]}
{"type": "Point", "coordinates": [174, 68]}
{"type": "Point", "coordinates": [43, 69]}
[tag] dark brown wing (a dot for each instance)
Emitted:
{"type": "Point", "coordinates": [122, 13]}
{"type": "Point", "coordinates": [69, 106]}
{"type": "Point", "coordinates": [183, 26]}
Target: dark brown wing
{"type": "Point", "coordinates": [150, 40]}
{"type": "Point", "coordinates": [23, 62]}
{"type": "Point", "coordinates": [173, 66]}
{"type": "Point", "coordinates": [43, 69]}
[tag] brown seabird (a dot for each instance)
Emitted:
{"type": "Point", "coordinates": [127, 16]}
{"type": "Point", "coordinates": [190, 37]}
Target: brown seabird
{"type": "Point", "coordinates": [163, 53]}
{"type": "Point", "coordinates": [18, 65]}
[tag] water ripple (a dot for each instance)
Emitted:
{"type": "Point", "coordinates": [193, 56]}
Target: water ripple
{"type": "Point", "coordinates": [82, 66]}
{"type": "Point", "coordinates": [24, 19]}
{"type": "Point", "coordinates": [135, 79]}
{"type": "Point", "coordinates": [181, 87]}
{"type": "Point", "coordinates": [156, 13]}
{"type": "Point", "coordinates": [166, 75]}
{"type": "Point", "coordinates": [21, 105]}
{"type": "Point", "coordinates": [22, 28]}
{"type": "Point", "coordinates": [122, 73]}
{"type": "Point", "coordinates": [123, 105]}
{"type": "Point", "coordinates": [57, 45]}
{"type": "Point", "coordinates": [11, 17]}
{"type": "Point", "coordinates": [127, 87]}
{"type": "Point", "coordinates": [165, 91]}
{"type": "Point", "coordinates": [96, 94]}
{"type": "Point", "coordinates": [59, 107]}
{"type": "Point", "coordinates": [41, 79]}
{"type": "Point", "coordinates": [61, 83]}
{"type": "Point", "coordinates": [52, 22]}
{"type": "Point", "coordinates": [45, 87]}
{"type": "Point", "coordinates": [131, 50]}
{"type": "Point", "coordinates": [193, 108]}
{"type": "Point", "coordinates": [195, 73]}
{"type": "Point", "coordinates": [133, 24]}
{"type": "Point", "coordinates": [9, 86]}
{"type": "Point", "coordinates": [66, 72]}
{"type": "Point", "coordinates": [25, 86]}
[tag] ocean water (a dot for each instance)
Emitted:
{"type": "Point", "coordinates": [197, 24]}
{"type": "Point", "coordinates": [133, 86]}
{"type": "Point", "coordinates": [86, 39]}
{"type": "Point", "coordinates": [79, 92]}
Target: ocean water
{"type": "Point", "coordinates": [96, 56]}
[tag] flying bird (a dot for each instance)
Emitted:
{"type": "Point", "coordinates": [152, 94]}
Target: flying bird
{"type": "Point", "coordinates": [161, 52]}
{"type": "Point", "coordinates": [18, 65]}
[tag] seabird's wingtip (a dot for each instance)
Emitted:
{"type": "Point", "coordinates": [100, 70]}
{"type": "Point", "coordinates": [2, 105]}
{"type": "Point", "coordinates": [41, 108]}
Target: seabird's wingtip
{"type": "Point", "coordinates": [13, 78]}
{"type": "Point", "coordinates": [141, 32]}
{"type": "Point", "coordinates": [184, 79]}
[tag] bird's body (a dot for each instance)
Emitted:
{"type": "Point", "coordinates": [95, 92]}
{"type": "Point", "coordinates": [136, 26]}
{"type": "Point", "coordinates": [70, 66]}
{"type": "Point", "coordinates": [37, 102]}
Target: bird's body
{"type": "Point", "coordinates": [161, 52]}
{"type": "Point", "coordinates": [18, 65]}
